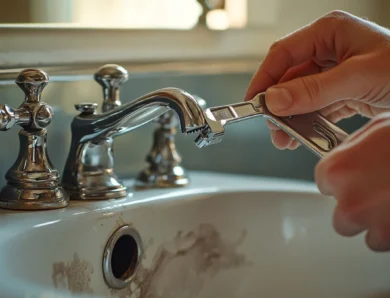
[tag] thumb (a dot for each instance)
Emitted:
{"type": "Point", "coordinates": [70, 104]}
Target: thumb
{"type": "Point", "coordinates": [314, 92]}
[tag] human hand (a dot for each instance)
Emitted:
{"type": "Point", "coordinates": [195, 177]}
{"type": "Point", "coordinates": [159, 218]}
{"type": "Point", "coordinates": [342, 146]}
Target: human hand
{"type": "Point", "coordinates": [338, 65]}
{"type": "Point", "coordinates": [357, 174]}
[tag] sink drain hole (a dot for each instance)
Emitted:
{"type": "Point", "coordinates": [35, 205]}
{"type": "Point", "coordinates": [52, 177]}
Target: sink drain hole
{"type": "Point", "coordinates": [124, 257]}
{"type": "Point", "coordinates": [121, 257]}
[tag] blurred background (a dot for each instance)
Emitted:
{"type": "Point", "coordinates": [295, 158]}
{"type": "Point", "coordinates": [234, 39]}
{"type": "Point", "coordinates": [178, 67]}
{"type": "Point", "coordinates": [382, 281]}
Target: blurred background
{"type": "Point", "coordinates": [246, 148]}
{"type": "Point", "coordinates": [185, 14]}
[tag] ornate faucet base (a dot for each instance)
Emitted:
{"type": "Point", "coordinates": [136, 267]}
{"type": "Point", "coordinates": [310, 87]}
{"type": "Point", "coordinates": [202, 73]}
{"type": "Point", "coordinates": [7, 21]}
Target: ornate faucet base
{"type": "Point", "coordinates": [97, 186]}
{"type": "Point", "coordinates": [94, 178]}
{"type": "Point", "coordinates": [17, 198]}
{"type": "Point", "coordinates": [149, 178]}
{"type": "Point", "coordinates": [98, 193]}
{"type": "Point", "coordinates": [32, 181]}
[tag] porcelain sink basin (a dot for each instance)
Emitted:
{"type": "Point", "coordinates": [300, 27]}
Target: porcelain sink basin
{"type": "Point", "coordinates": [223, 236]}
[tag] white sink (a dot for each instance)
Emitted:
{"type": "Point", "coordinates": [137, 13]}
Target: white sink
{"type": "Point", "coordinates": [223, 236]}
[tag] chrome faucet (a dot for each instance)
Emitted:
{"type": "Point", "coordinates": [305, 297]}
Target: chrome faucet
{"type": "Point", "coordinates": [32, 181]}
{"type": "Point", "coordinates": [312, 130]}
{"type": "Point", "coordinates": [89, 170]}
{"type": "Point", "coordinates": [164, 169]}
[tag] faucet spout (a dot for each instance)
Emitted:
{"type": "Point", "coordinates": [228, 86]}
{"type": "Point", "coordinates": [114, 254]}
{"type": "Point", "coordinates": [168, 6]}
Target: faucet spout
{"type": "Point", "coordinates": [89, 172]}
{"type": "Point", "coordinates": [139, 112]}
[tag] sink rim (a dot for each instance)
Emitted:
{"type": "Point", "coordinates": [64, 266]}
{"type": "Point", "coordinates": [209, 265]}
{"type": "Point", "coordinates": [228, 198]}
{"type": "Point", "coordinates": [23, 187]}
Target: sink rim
{"type": "Point", "coordinates": [201, 183]}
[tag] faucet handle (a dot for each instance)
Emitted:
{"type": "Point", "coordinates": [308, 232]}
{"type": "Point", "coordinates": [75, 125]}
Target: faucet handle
{"type": "Point", "coordinates": [32, 181]}
{"type": "Point", "coordinates": [32, 82]}
{"type": "Point", "coordinates": [33, 114]}
{"type": "Point", "coordinates": [9, 117]}
{"type": "Point", "coordinates": [110, 77]}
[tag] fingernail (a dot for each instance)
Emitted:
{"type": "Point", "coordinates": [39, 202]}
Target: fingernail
{"type": "Point", "coordinates": [278, 99]}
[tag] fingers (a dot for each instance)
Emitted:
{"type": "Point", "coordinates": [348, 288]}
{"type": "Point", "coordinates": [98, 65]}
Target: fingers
{"type": "Point", "coordinates": [359, 74]}
{"type": "Point", "coordinates": [332, 108]}
{"type": "Point", "coordinates": [360, 150]}
{"type": "Point", "coordinates": [344, 225]}
{"type": "Point", "coordinates": [307, 68]}
{"type": "Point", "coordinates": [272, 126]}
{"type": "Point", "coordinates": [314, 92]}
{"type": "Point", "coordinates": [282, 140]}
{"type": "Point", "coordinates": [283, 55]}
{"type": "Point", "coordinates": [294, 145]}
{"type": "Point", "coordinates": [341, 114]}
{"type": "Point", "coordinates": [356, 174]}
{"type": "Point", "coordinates": [317, 40]}
{"type": "Point", "coordinates": [378, 238]}
{"type": "Point", "coordinates": [374, 218]}
{"type": "Point", "coordinates": [333, 113]}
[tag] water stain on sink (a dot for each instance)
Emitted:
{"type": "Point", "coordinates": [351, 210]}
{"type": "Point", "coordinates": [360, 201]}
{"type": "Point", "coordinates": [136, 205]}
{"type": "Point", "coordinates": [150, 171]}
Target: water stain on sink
{"type": "Point", "coordinates": [74, 276]}
{"type": "Point", "coordinates": [181, 267]}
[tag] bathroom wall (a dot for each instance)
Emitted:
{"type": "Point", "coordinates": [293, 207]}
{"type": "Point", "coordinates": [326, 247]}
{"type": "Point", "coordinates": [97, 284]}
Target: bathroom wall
{"type": "Point", "coordinates": [246, 147]}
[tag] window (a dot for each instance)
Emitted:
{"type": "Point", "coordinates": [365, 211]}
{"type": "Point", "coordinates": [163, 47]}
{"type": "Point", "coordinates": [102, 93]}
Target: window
{"type": "Point", "coordinates": [142, 14]}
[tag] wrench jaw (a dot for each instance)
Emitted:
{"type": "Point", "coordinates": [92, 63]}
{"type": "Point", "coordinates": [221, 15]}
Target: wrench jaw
{"type": "Point", "coordinates": [212, 133]}
{"type": "Point", "coordinates": [207, 137]}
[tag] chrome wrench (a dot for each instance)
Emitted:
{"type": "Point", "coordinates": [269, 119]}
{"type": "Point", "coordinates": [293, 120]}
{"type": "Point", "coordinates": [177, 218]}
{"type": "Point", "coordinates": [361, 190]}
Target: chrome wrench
{"type": "Point", "coordinates": [312, 130]}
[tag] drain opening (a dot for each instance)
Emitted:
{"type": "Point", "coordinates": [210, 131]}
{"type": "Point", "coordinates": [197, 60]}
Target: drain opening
{"type": "Point", "coordinates": [121, 257]}
{"type": "Point", "coordinates": [124, 257]}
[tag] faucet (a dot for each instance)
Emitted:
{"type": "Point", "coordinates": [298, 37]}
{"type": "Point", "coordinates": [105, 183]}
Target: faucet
{"type": "Point", "coordinates": [89, 169]}
{"type": "Point", "coordinates": [32, 181]}
{"type": "Point", "coordinates": [164, 169]}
